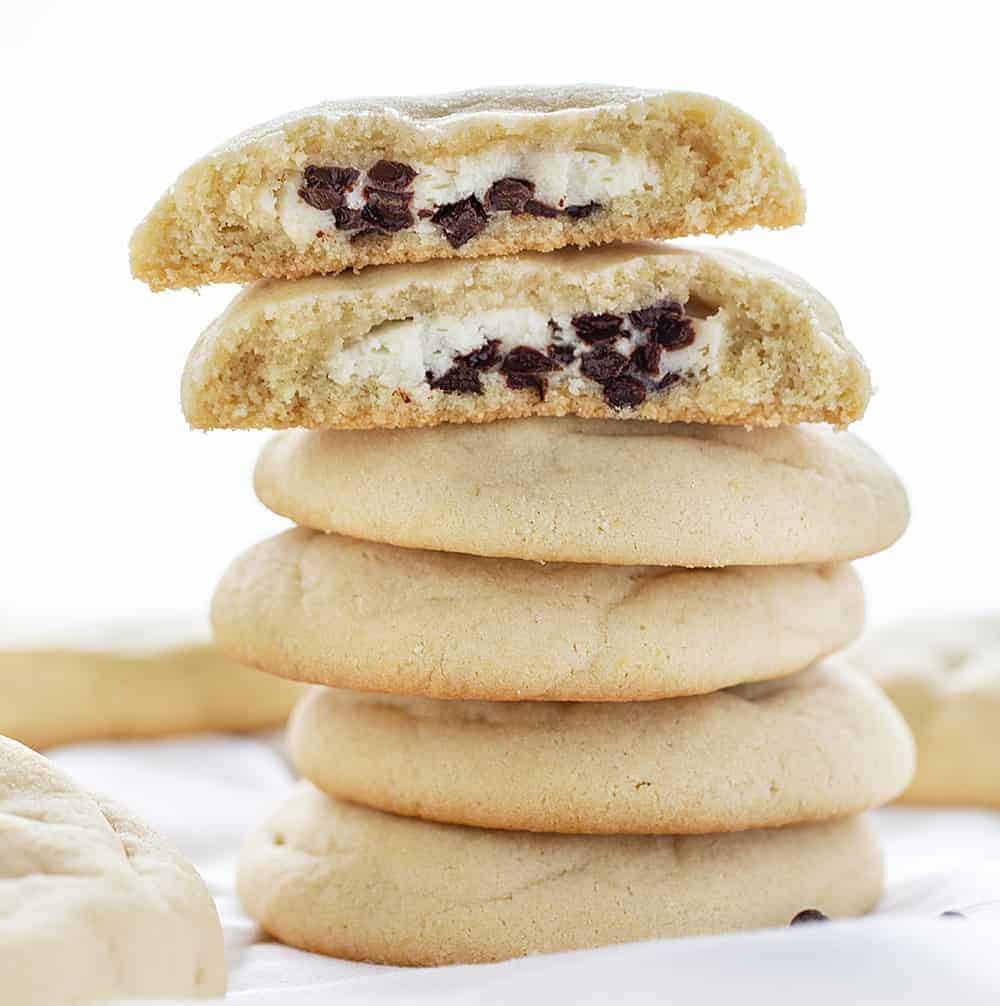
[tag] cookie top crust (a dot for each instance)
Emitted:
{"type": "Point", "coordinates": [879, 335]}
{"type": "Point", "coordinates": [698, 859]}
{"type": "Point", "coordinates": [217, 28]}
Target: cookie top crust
{"type": "Point", "coordinates": [93, 905]}
{"type": "Point", "coordinates": [604, 491]}
{"type": "Point", "coordinates": [381, 180]}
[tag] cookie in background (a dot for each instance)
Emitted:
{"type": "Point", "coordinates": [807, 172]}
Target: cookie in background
{"type": "Point", "coordinates": [147, 677]}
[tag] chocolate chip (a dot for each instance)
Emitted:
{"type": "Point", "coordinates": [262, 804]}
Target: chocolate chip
{"type": "Point", "coordinates": [538, 209]}
{"type": "Point", "coordinates": [461, 379]}
{"type": "Point", "coordinates": [461, 221]}
{"type": "Point", "coordinates": [594, 328]}
{"type": "Point", "coordinates": [562, 352]}
{"type": "Point", "coordinates": [668, 380]}
{"type": "Point", "coordinates": [646, 318]}
{"type": "Point", "coordinates": [647, 357]}
{"type": "Point", "coordinates": [389, 176]}
{"type": "Point", "coordinates": [525, 360]}
{"type": "Point", "coordinates": [809, 915]}
{"type": "Point", "coordinates": [624, 393]}
{"type": "Point", "coordinates": [511, 194]}
{"type": "Point", "coordinates": [519, 382]}
{"type": "Point", "coordinates": [388, 211]}
{"type": "Point", "coordinates": [554, 326]}
{"type": "Point", "coordinates": [424, 214]}
{"type": "Point", "coordinates": [602, 364]}
{"type": "Point", "coordinates": [347, 219]}
{"type": "Point", "coordinates": [482, 358]}
{"type": "Point", "coordinates": [674, 333]}
{"type": "Point", "coordinates": [324, 188]}
{"type": "Point", "coordinates": [581, 210]}
{"type": "Point", "coordinates": [952, 914]}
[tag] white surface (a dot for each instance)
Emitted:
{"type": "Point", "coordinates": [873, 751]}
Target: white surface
{"type": "Point", "coordinates": [206, 793]}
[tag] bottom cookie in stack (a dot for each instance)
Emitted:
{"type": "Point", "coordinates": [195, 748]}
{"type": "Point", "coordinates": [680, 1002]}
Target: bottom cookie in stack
{"type": "Point", "coordinates": [345, 880]}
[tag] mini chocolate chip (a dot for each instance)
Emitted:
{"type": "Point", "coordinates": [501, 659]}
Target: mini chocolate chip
{"type": "Point", "coordinates": [482, 358]}
{"type": "Point", "coordinates": [647, 357]}
{"type": "Point", "coordinates": [525, 360]}
{"type": "Point", "coordinates": [674, 333]}
{"type": "Point", "coordinates": [347, 219]}
{"type": "Point", "coordinates": [460, 379]}
{"type": "Point", "coordinates": [424, 214]}
{"type": "Point", "coordinates": [538, 209]}
{"type": "Point", "coordinates": [562, 352]}
{"type": "Point", "coordinates": [554, 326]}
{"type": "Point", "coordinates": [951, 914]}
{"type": "Point", "coordinates": [461, 221]}
{"type": "Point", "coordinates": [389, 176]}
{"type": "Point", "coordinates": [668, 380]}
{"type": "Point", "coordinates": [520, 382]}
{"type": "Point", "coordinates": [511, 194]}
{"type": "Point", "coordinates": [602, 364]}
{"type": "Point", "coordinates": [581, 210]}
{"type": "Point", "coordinates": [809, 915]}
{"type": "Point", "coordinates": [624, 392]}
{"type": "Point", "coordinates": [594, 328]}
{"type": "Point", "coordinates": [388, 211]}
{"type": "Point", "coordinates": [647, 317]}
{"type": "Point", "coordinates": [323, 188]}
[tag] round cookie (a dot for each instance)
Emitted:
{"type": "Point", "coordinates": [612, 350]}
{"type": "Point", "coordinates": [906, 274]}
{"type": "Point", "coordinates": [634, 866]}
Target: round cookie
{"type": "Point", "coordinates": [944, 675]}
{"type": "Point", "coordinates": [140, 679]}
{"type": "Point", "coordinates": [819, 744]}
{"type": "Point", "coordinates": [604, 491]}
{"type": "Point", "coordinates": [93, 905]}
{"type": "Point", "coordinates": [355, 614]}
{"type": "Point", "coordinates": [344, 880]}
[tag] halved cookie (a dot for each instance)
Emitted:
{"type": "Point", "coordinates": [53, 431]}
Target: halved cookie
{"type": "Point", "coordinates": [815, 745]}
{"type": "Point", "coordinates": [585, 490]}
{"type": "Point", "coordinates": [490, 172]}
{"type": "Point", "coordinates": [344, 880]}
{"type": "Point", "coordinates": [643, 331]}
{"type": "Point", "coordinates": [356, 614]}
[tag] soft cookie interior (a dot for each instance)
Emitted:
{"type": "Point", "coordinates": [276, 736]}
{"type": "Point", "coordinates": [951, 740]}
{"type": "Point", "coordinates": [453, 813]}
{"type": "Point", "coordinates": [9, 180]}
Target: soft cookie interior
{"type": "Point", "coordinates": [645, 331]}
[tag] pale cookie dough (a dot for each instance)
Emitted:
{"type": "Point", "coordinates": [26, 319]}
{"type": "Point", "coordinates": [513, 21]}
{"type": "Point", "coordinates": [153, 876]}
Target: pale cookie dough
{"type": "Point", "coordinates": [944, 675]}
{"type": "Point", "coordinates": [375, 180]}
{"type": "Point", "coordinates": [355, 614]}
{"type": "Point", "coordinates": [143, 678]}
{"type": "Point", "coordinates": [643, 331]}
{"type": "Point", "coordinates": [577, 490]}
{"type": "Point", "coordinates": [819, 744]}
{"type": "Point", "coordinates": [94, 906]}
{"type": "Point", "coordinates": [343, 880]}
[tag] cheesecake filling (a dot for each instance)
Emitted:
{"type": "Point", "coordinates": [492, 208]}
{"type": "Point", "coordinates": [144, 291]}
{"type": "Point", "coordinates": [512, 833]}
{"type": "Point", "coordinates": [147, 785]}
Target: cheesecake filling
{"type": "Point", "coordinates": [628, 356]}
{"type": "Point", "coordinates": [454, 197]}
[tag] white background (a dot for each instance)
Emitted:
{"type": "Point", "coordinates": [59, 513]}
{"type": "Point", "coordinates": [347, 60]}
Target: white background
{"type": "Point", "coordinates": [110, 505]}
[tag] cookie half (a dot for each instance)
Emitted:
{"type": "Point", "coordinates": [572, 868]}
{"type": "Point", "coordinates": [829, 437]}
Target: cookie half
{"type": "Point", "coordinates": [146, 678]}
{"type": "Point", "coordinates": [819, 744]}
{"type": "Point", "coordinates": [571, 490]}
{"type": "Point", "coordinates": [489, 172]}
{"type": "Point", "coordinates": [642, 331]}
{"type": "Point", "coordinates": [344, 880]}
{"type": "Point", "coordinates": [94, 905]}
{"type": "Point", "coordinates": [944, 675]}
{"type": "Point", "coordinates": [355, 614]}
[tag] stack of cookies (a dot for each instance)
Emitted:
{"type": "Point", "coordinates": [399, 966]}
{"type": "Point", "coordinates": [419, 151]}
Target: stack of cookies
{"type": "Point", "coordinates": [574, 688]}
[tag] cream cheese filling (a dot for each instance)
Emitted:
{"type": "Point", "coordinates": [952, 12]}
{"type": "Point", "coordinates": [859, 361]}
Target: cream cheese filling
{"type": "Point", "coordinates": [561, 177]}
{"type": "Point", "coordinates": [400, 354]}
